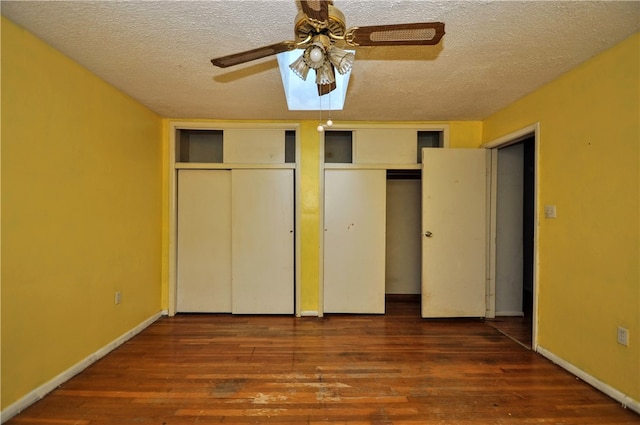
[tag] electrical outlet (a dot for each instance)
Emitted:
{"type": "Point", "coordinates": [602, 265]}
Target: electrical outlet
{"type": "Point", "coordinates": [549, 211]}
{"type": "Point", "coordinates": [117, 298]}
{"type": "Point", "coordinates": [623, 336]}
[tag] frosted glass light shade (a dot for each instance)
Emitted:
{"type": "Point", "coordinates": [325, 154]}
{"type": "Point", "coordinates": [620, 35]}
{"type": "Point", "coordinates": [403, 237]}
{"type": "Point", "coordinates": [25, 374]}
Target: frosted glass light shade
{"type": "Point", "coordinates": [341, 59]}
{"type": "Point", "coordinates": [300, 68]}
{"type": "Point", "coordinates": [302, 95]}
{"type": "Point", "coordinates": [325, 74]}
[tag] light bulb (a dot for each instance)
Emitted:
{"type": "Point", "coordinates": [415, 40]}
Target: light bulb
{"type": "Point", "coordinates": [320, 128]}
{"type": "Point", "coordinates": [316, 55]}
{"type": "Point", "coordinates": [329, 122]}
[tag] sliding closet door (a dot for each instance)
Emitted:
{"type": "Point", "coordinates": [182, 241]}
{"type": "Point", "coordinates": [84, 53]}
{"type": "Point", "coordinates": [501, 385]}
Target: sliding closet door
{"type": "Point", "coordinates": [204, 238]}
{"type": "Point", "coordinates": [354, 241]}
{"type": "Point", "coordinates": [262, 241]}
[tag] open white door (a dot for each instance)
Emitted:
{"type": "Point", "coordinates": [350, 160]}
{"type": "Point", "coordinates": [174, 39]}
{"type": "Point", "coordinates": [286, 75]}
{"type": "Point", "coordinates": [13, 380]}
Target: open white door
{"type": "Point", "coordinates": [354, 241]}
{"type": "Point", "coordinates": [262, 251]}
{"type": "Point", "coordinates": [454, 196]}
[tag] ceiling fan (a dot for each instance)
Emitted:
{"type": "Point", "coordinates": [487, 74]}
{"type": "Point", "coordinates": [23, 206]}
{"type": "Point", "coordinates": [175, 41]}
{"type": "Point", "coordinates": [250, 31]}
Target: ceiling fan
{"type": "Point", "coordinates": [320, 30]}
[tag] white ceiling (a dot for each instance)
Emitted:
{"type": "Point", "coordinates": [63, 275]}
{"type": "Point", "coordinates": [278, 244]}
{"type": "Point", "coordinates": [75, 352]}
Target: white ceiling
{"type": "Point", "coordinates": [493, 53]}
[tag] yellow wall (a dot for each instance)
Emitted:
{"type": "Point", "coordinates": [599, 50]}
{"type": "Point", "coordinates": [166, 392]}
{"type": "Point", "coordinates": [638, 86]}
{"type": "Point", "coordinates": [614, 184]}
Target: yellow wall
{"type": "Point", "coordinates": [589, 256]}
{"type": "Point", "coordinates": [81, 204]}
{"type": "Point", "coordinates": [309, 213]}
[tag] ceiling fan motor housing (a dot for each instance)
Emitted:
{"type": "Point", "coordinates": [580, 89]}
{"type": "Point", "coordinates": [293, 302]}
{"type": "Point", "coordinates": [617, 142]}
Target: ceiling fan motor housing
{"type": "Point", "coordinates": [305, 27]}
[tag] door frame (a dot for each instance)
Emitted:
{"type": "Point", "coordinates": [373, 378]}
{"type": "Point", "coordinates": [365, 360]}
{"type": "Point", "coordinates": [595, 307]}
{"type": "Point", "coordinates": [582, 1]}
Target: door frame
{"type": "Point", "coordinates": [444, 128]}
{"type": "Point", "coordinates": [170, 234]}
{"type": "Point", "coordinates": [493, 146]}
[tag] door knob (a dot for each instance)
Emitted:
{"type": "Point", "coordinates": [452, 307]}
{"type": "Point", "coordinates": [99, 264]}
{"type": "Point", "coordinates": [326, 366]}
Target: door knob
{"type": "Point", "coordinates": [428, 234]}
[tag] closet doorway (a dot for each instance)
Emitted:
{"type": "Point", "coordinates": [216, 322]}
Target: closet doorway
{"type": "Point", "coordinates": [403, 237]}
{"type": "Point", "coordinates": [371, 233]}
{"type": "Point", "coordinates": [233, 245]}
{"type": "Point", "coordinates": [403, 251]}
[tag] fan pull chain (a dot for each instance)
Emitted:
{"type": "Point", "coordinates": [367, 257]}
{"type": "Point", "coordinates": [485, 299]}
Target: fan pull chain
{"type": "Point", "coordinates": [320, 126]}
{"type": "Point", "coordinates": [329, 123]}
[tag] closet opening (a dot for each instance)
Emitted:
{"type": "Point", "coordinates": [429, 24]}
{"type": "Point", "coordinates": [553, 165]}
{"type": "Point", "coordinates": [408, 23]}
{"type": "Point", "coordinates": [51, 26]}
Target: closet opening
{"type": "Point", "coordinates": [403, 240]}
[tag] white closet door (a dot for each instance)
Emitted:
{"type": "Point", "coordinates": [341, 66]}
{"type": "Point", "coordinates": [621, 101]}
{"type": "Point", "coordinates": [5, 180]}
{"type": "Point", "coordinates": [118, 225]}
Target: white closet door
{"type": "Point", "coordinates": [204, 239]}
{"type": "Point", "coordinates": [454, 232]}
{"type": "Point", "coordinates": [354, 241]}
{"type": "Point", "coordinates": [262, 241]}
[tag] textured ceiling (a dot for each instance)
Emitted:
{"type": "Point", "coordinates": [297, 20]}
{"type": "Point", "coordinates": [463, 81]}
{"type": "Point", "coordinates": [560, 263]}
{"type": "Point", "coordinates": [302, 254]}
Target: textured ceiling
{"type": "Point", "coordinates": [493, 53]}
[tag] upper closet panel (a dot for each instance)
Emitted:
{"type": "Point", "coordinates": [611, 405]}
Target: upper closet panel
{"type": "Point", "coordinates": [262, 146]}
{"type": "Point", "coordinates": [381, 147]}
{"type": "Point", "coordinates": [254, 146]}
{"type": "Point", "coordinates": [385, 146]}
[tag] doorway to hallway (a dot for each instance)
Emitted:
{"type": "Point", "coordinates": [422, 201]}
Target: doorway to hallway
{"type": "Point", "coordinates": [515, 227]}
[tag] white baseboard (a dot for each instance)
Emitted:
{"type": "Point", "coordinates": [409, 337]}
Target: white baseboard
{"type": "Point", "coordinates": [309, 313]}
{"type": "Point", "coordinates": [624, 399]}
{"type": "Point", "coordinates": [35, 395]}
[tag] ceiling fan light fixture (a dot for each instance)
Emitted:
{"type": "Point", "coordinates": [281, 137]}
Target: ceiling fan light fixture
{"type": "Point", "coordinates": [302, 95]}
{"type": "Point", "coordinates": [324, 74]}
{"type": "Point", "coordinates": [341, 59]}
{"type": "Point", "coordinates": [300, 68]}
{"type": "Point", "coordinates": [314, 55]}
{"type": "Point", "coordinates": [319, 27]}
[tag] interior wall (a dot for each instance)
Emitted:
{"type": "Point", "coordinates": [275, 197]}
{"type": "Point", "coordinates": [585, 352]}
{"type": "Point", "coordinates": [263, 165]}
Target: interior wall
{"type": "Point", "coordinates": [81, 213]}
{"type": "Point", "coordinates": [589, 163]}
{"type": "Point", "coordinates": [309, 204]}
{"type": "Point", "coordinates": [509, 247]}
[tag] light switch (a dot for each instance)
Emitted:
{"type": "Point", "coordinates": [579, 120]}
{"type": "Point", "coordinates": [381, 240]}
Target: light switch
{"type": "Point", "coordinates": [549, 211]}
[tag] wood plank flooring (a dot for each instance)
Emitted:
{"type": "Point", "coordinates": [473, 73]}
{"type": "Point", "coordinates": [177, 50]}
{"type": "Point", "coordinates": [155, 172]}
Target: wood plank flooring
{"type": "Point", "coordinates": [343, 369]}
{"type": "Point", "coordinates": [516, 328]}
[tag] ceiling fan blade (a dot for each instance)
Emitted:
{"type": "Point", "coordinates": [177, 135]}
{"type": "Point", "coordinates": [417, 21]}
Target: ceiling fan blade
{"type": "Point", "coordinates": [316, 10]}
{"type": "Point", "coordinates": [326, 88]}
{"type": "Point", "coordinates": [249, 55]}
{"type": "Point", "coordinates": [416, 34]}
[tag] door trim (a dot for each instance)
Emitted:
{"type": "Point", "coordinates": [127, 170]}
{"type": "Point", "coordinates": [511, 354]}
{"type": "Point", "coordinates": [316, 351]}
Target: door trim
{"type": "Point", "coordinates": [493, 145]}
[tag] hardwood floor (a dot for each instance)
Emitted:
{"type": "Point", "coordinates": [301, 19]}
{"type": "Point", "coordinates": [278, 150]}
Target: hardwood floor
{"type": "Point", "coordinates": [343, 369]}
{"type": "Point", "coordinates": [516, 328]}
